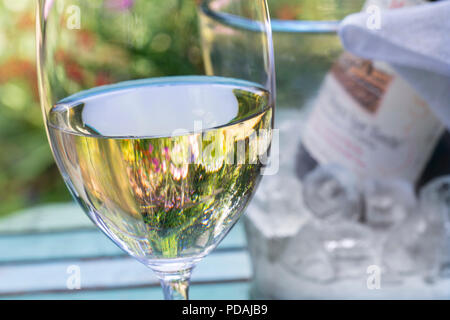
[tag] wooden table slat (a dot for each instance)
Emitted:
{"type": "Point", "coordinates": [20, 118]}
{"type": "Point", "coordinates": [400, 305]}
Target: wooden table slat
{"type": "Point", "coordinates": [215, 291]}
{"type": "Point", "coordinates": [112, 273]}
{"type": "Point", "coordinates": [53, 217]}
{"type": "Point", "coordinates": [38, 245]}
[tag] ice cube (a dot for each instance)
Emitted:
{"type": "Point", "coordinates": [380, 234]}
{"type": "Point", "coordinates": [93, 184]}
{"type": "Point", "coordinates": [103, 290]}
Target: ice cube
{"type": "Point", "coordinates": [289, 132]}
{"type": "Point", "coordinates": [414, 246]}
{"type": "Point", "coordinates": [331, 193]}
{"type": "Point", "coordinates": [263, 247]}
{"type": "Point", "coordinates": [435, 203]}
{"type": "Point", "coordinates": [435, 200]}
{"type": "Point", "coordinates": [304, 256]}
{"type": "Point", "coordinates": [444, 268]}
{"type": "Point", "coordinates": [280, 197]}
{"type": "Point", "coordinates": [274, 215]}
{"type": "Point", "coordinates": [351, 246]}
{"type": "Point", "coordinates": [387, 202]}
{"type": "Point", "coordinates": [347, 240]}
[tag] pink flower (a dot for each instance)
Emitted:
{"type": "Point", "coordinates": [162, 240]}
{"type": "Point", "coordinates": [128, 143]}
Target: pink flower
{"type": "Point", "coordinates": [155, 162]}
{"type": "Point", "coordinates": [47, 7]}
{"type": "Point", "coordinates": [119, 5]}
{"type": "Point", "coordinates": [166, 153]}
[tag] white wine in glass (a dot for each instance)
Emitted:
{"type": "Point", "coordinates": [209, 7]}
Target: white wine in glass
{"type": "Point", "coordinates": [163, 165]}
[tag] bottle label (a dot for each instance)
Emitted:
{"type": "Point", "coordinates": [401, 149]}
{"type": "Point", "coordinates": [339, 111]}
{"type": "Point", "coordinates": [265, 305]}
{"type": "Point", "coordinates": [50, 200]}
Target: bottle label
{"type": "Point", "coordinates": [371, 121]}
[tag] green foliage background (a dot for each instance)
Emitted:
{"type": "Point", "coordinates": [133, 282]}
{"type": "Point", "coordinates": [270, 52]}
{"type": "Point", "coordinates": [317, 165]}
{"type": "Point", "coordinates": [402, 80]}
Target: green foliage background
{"type": "Point", "coordinates": [28, 175]}
{"type": "Point", "coordinates": [27, 172]}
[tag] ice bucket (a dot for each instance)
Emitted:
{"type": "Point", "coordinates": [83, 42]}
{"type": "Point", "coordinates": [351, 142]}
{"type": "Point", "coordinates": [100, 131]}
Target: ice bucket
{"type": "Point", "coordinates": [358, 205]}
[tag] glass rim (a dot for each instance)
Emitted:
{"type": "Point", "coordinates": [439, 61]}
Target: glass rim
{"type": "Point", "coordinates": [165, 81]}
{"type": "Point", "coordinates": [278, 25]}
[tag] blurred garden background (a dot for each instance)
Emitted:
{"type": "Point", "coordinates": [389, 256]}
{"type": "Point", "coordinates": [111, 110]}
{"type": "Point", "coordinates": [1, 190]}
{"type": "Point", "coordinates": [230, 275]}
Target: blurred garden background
{"type": "Point", "coordinates": [28, 174]}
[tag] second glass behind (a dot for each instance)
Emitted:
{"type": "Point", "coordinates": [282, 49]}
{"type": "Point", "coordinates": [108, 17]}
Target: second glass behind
{"type": "Point", "coordinates": [360, 198]}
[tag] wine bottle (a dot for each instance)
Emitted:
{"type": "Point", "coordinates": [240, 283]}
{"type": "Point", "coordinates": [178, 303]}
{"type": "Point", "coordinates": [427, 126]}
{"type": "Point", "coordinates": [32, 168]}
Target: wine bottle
{"type": "Point", "coordinates": [370, 120]}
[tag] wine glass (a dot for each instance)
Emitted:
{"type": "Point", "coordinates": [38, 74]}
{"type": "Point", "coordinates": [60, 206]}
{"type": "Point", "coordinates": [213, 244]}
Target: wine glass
{"type": "Point", "coordinates": [161, 152]}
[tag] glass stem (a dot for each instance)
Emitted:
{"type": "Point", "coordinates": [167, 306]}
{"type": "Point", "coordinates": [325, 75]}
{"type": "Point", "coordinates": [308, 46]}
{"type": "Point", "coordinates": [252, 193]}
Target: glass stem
{"type": "Point", "coordinates": [175, 285]}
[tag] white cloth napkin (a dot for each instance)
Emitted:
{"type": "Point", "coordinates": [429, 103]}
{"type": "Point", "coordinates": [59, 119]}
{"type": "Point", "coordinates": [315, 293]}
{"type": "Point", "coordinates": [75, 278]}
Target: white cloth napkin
{"type": "Point", "coordinates": [415, 41]}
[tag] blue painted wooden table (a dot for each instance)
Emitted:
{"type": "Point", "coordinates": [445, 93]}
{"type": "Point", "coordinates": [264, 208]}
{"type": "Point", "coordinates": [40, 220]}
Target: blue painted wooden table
{"type": "Point", "coordinates": [40, 248]}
